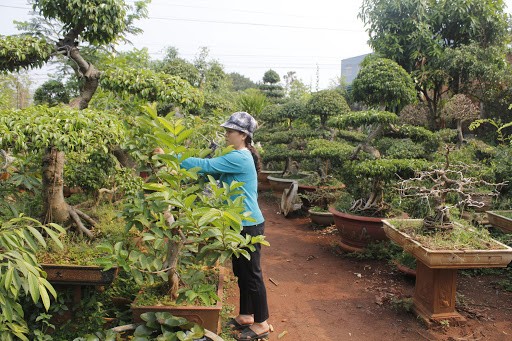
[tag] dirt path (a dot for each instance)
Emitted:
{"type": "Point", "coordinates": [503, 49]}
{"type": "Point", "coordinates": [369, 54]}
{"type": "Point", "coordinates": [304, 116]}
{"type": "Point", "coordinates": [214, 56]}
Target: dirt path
{"type": "Point", "coordinates": [321, 295]}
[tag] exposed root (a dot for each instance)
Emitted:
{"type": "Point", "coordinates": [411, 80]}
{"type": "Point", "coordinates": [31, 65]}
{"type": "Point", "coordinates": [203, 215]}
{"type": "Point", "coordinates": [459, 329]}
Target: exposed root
{"type": "Point", "coordinates": [85, 217]}
{"type": "Point", "coordinates": [79, 224]}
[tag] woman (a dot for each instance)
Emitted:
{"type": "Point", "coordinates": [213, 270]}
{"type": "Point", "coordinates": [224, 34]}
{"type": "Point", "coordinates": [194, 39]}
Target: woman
{"type": "Point", "coordinates": [242, 165]}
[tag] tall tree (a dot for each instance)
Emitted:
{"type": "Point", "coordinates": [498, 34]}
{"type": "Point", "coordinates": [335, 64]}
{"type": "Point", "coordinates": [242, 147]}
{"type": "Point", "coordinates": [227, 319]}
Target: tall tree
{"type": "Point", "coordinates": [52, 92]}
{"type": "Point", "coordinates": [289, 78]}
{"type": "Point", "coordinates": [91, 21]}
{"type": "Point", "coordinates": [174, 65]}
{"type": "Point", "coordinates": [240, 82]}
{"type": "Point", "coordinates": [420, 35]}
{"type": "Point", "coordinates": [8, 93]}
{"type": "Point", "coordinates": [98, 23]}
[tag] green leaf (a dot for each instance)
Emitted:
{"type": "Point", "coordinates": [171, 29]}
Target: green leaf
{"type": "Point", "coordinates": [33, 287]}
{"type": "Point", "coordinates": [37, 234]}
{"type": "Point", "coordinates": [44, 297]}
{"type": "Point", "coordinates": [209, 216]}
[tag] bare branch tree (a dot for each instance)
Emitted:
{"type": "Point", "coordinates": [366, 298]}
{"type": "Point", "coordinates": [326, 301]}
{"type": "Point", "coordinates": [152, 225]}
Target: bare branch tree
{"type": "Point", "coordinates": [437, 184]}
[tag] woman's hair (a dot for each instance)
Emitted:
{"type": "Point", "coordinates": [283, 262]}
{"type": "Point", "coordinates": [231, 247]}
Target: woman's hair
{"type": "Point", "coordinates": [255, 155]}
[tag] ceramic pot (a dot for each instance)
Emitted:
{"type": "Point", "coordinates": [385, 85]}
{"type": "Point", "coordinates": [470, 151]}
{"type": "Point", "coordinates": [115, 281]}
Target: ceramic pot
{"type": "Point", "coordinates": [356, 232]}
{"type": "Point", "coordinates": [498, 220]}
{"type": "Point", "coordinates": [321, 218]}
{"type": "Point", "coordinates": [263, 183]}
{"type": "Point", "coordinates": [206, 316]}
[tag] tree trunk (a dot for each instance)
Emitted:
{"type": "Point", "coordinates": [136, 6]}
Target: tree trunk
{"type": "Point", "coordinates": [460, 136]}
{"type": "Point", "coordinates": [364, 145]}
{"type": "Point", "coordinates": [124, 158]}
{"type": "Point", "coordinates": [173, 255]}
{"type": "Point", "coordinates": [55, 208]}
{"type": "Point", "coordinates": [172, 274]}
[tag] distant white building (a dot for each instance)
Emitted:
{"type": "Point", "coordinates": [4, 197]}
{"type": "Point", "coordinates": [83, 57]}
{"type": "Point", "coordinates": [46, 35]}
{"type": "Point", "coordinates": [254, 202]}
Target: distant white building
{"type": "Point", "coordinates": [350, 67]}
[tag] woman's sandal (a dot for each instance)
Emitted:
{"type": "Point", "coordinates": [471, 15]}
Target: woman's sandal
{"type": "Point", "coordinates": [249, 335]}
{"type": "Point", "coordinates": [233, 324]}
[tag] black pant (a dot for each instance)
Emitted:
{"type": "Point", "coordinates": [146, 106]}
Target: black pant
{"type": "Point", "coordinates": [253, 295]}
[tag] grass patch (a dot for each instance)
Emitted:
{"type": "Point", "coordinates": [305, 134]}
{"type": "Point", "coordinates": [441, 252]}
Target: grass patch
{"type": "Point", "coordinates": [81, 250]}
{"type": "Point", "coordinates": [460, 237]}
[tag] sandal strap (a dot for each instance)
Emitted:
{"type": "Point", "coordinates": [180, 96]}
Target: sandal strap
{"type": "Point", "coordinates": [248, 334]}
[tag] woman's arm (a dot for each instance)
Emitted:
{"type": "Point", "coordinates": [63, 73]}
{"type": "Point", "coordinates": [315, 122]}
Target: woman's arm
{"type": "Point", "coordinates": [226, 164]}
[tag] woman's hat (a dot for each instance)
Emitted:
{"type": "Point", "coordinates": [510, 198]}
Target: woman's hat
{"type": "Point", "coordinates": [241, 121]}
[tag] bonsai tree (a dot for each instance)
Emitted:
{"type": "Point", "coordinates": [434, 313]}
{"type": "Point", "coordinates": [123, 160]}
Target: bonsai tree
{"type": "Point", "coordinates": [270, 86]}
{"type": "Point", "coordinates": [83, 22]}
{"type": "Point", "coordinates": [326, 104]}
{"type": "Point", "coordinates": [50, 133]}
{"type": "Point", "coordinates": [461, 109]}
{"type": "Point", "coordinates": [381, 83]}
{"type": "Point", "coordinates": [286, 140]}
{"type": "Point", "coordinates": [438, 184]}
{"type": "Point", "coordinates": [366, 171]}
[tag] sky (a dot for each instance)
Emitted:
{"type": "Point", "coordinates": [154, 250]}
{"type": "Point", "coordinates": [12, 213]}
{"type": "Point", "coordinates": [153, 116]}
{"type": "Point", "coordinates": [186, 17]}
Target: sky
{"type": "Point", "coordinates": [248, 37]}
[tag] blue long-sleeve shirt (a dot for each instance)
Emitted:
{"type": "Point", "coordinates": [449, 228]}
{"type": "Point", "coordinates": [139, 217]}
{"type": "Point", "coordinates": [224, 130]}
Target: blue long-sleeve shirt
{"type": "Point", "coordinates": [237, 165]}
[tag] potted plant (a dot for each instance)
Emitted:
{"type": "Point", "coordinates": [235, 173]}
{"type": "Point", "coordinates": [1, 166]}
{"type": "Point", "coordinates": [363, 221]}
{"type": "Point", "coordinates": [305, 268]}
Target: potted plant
{"type": "Point", "coordinates": [440, 245]}
{"type": "Point", "coordinates": [283, 136]}
{"type": "Point", "coordinates": [384, 87]}
{"type": "Point", "coordinates": [287, 148]}
{"type": "Point", "coordinates": [368, 171]}
{"type": "Point", "coordinates": [156, 326]}
{"type": "Point", "coordinates": [76, 262]}
{"type": "Point", "coordinates": [188, 224]}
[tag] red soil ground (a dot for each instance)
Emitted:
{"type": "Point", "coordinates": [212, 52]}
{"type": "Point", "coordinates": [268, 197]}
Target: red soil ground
{"type": "Point", "coordinates": [321, 294]}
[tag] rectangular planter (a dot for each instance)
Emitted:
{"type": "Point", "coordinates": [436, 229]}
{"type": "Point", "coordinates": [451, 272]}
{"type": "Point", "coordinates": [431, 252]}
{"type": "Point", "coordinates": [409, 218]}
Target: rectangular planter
{"type": "Point", "coordinates": [78, 274]}
{"type": "Point", "coordinates": [208, 317]}
{"type": "Point", "coordinates": [444, 259]}
{"type": "Point", "coordinates": [500, 221]}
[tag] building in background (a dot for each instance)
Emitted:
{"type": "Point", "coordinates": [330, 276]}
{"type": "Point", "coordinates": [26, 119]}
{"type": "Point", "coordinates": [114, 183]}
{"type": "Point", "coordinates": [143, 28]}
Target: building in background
{"type": "Point", "coordinates": [350, 67]}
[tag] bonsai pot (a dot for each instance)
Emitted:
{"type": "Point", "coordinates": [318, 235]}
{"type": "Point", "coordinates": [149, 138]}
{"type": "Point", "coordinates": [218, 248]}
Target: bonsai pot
{"type": "Point", "coordinates": [263, 183]}
{"type": "Point", "coordinates": [356, 232]}
{"type": "Point", "coordinates": [321, 218]}
{"type": "Point", "coordinates": [206, 316]}
{"type": "Point", "coordinates": [74, 277]}
{"type": "Point", "coordinates": [278, 185]}
{"type": "Point", "coordinates": [501, 220]}
{"type": "Point", "coordinates": [78, 274]}
{"type": "Point", "coordinates": [436, 272]}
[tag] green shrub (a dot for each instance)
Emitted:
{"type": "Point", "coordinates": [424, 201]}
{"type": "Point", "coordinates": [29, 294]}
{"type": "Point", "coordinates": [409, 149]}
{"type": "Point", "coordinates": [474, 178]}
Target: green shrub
{"type": "Point", "coordinates": [400, 148]}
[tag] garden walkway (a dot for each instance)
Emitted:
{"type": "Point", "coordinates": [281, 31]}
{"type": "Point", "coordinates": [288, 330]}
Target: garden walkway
{"type": "Point", "coordinates": [315, 293]}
